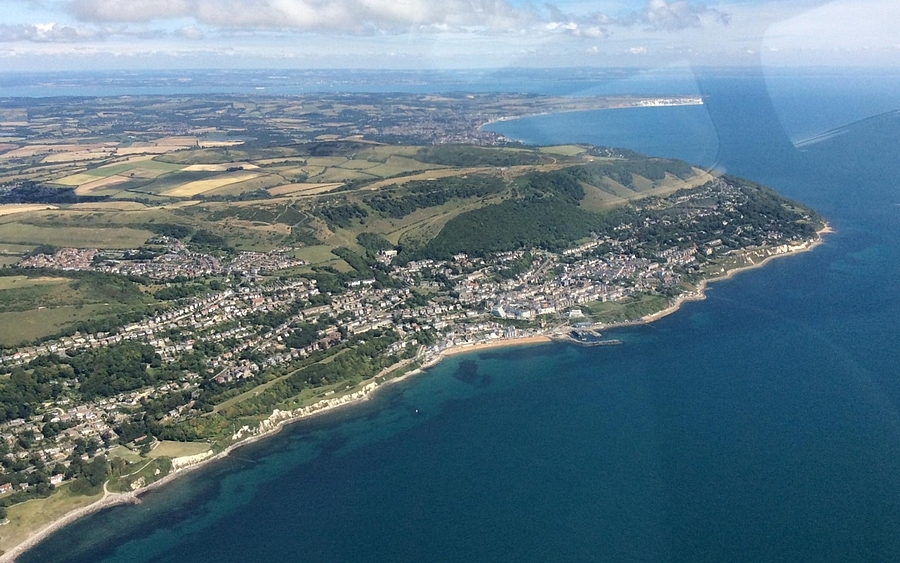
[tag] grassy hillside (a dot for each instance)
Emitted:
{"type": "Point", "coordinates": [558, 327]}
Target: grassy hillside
{"type": "Point", "coordinates": [314, 197]}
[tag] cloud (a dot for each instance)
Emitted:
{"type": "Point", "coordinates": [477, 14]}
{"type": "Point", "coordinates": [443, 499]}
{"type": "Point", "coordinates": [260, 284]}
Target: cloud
{"type": "Point", "coordinates": [657, 15]}
{"type": "Point", "coordinates": [679, 15]}
{"type": "Point", "coordinates": [191, 32]}
{"type": "Point", "coordinates": [48, 33]}
{"type": "Point", "coordinates": [131, 11]}
{"type": "Point", "coordinates": [591, 26]}
{"type": "Point", "coordinates": [355, 16]}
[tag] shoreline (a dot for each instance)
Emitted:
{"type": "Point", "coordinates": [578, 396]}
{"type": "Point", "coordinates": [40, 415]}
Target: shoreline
{"type": "Point", "coordinates": [629, 105]}
{"type": "Point", "coordinates": [491, 344]}
{"type": "Point", "coordinates": [279, 419]}
{"type": "Point", "coordinates": [107, 501]}
{"type": "Point", "coordinates": [699, 294]}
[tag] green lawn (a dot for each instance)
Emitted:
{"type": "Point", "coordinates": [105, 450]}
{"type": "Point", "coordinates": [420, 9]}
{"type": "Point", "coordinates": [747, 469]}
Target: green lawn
{"type": "Point", "coordinates": [31, 516]}
{"type": "Point", "coordinates": [628, 309]}
{"type": "Point", "coordinates": [17, 327]}
{"type": "Point", "coordinates": [564, 150]}
{"type": "Point", "coordinates": [178, 449]}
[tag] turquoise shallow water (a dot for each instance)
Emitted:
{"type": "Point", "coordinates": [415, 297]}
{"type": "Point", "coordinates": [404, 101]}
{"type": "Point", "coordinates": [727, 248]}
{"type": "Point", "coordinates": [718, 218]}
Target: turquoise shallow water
{"type": "Point", "coordinates": [759, 425]}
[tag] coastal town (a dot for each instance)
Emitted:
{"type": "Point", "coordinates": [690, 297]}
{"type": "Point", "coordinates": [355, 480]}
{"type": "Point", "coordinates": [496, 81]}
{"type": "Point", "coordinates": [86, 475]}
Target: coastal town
{"type": "Point", "coordinates": [259, 326]}
{"type": "Point", "coordinates": [176, 291]}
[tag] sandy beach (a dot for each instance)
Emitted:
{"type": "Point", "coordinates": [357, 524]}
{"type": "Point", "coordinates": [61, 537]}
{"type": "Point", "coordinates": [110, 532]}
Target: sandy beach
{"type": "Point", "coordinates": [498, 343]}
{"type": "Point", "coordinates": [365, 391]}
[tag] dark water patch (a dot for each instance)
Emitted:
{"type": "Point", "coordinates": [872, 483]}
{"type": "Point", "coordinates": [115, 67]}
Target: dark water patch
{"type": "Point", "coordinates": [467, 372]}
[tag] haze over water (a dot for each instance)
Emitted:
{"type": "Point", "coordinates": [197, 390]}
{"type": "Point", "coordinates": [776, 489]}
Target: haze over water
{"type": "Point", "coordinates": [759, 425]}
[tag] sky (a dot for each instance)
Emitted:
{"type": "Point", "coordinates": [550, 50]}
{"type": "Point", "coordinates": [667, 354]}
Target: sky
{"type": "Point", "coordinates": [55, 35]}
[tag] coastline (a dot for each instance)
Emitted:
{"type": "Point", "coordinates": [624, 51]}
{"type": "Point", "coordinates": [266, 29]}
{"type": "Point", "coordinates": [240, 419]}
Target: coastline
{"type": "Point", "coordinates": [279, 419]}
{"type": "Point", "coordinates": [624, 105]}
{"type": "Point", "coordinates": [498, 343]}
{"type": "Point", "coordinates": [107, 501]}
{"type": "Point", "coordinates": [699, 294]}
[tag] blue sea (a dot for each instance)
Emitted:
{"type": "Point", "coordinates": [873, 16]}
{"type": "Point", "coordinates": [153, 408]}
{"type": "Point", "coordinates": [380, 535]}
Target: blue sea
{"type": "Point", "coordinates": [761, 424]}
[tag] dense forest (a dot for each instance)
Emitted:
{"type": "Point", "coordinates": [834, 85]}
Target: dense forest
{"type": "Point", "coordinates": [31, 192]}
{"type": "Point", "coordinates": [550, 223]}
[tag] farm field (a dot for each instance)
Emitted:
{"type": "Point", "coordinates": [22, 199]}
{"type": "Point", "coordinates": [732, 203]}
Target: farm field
{"type": "Point", "coordinates": [78, 237]}
{"type": "Point", "coordinates": [17, 327]}
{"type": "Point", "coordinates": [200, 186]}
{"type": "Point", "coordinates": [303, 189]}
{"type": "Point", "coordinates": [12, 209]}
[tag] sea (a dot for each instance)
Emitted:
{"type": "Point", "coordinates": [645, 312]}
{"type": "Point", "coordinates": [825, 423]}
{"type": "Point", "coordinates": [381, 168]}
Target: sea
{"type": "Point", "coordinates": [760, 424]}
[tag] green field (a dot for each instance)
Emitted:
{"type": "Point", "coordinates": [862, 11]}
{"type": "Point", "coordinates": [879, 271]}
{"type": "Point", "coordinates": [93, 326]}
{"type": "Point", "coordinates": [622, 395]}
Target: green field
{"type": "Point", "coordinates": [20, 282]}
{"type": "Point", "coordinates": [178, 449]}
{"type": "Point", "coordinates": [315, 254]}
{"type": "Point", "coordinates": [18, 327]}
{"type": "Point", "coordinates": [21, 293]}
{"type": "Point", "coordinates": [564, 150]}
{"type": "Point", "coordinates": [124, 453]}
{"type": "Point", "coordinates": [76, 237]}
{"type": "Point", "coordinates": [628, 309]}
{"type": "Point", "coordinates": [27, 517]}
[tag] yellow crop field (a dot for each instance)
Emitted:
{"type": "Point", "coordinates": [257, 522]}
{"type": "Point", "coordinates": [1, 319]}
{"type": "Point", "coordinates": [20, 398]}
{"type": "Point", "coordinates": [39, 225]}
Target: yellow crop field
{"type": "Point", "coordinates": [11, 208]}
{"type": "Point", "coordinates": [75, 180]}
{"type": "Point", "coordinates": [200, 186]}
{"type": "Point", "coordinates": [303, 189]}
{"type": "Point", "coordinates": [79, 155]}
{"type": "Point", "coordinates": [219, 167]}
{"type": "Point", "coordinates": [144, 173]}
{"type": "Point", "coordinates": [32, 150]}
{"type": "Point", "coordinates": [98, 184]}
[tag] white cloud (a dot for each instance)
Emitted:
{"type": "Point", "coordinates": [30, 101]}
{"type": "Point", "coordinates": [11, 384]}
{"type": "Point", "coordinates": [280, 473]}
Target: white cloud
{"type": "Point", "coordinates": [191, 32]}
{"type": "Point", "coordinates": [680, 15]}
{"type": "Point", "coordinates": [460, 33]}
{"type": "Point", "coordinates": [656, 15]}
{"type": "Point", "coordinates": [354, 16]}
{"type": "Point", "coordinates": [130, 11]}
{"type": "Point", "coordinates": [48, 33]}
